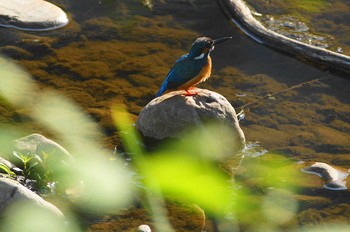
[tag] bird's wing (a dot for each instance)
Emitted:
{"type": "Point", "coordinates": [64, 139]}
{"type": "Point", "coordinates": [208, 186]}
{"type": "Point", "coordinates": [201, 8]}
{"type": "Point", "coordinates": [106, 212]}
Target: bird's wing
{"type": "Point", "coordinates": [183, 70]}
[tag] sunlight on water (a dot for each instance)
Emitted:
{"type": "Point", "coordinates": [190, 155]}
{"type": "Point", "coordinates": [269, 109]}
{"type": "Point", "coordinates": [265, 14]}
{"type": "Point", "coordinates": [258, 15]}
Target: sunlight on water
{"type": "Point", "coordinates": [254, 149]}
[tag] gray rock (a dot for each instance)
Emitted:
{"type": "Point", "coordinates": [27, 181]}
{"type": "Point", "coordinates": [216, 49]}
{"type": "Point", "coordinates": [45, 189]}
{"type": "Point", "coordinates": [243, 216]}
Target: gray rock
{"type": "Point", "coordinates": [12, 192]}
{"type": "Point", "coordinates": [7, 163]}
{"type": "Point", "coordinates": [171, 115]}
{"type": "Point", "coordinates": [37, 15]}
{"type": "Point", "coordinates": [39, 144]}
{"type": "Point", "coordinates": [334, 177]}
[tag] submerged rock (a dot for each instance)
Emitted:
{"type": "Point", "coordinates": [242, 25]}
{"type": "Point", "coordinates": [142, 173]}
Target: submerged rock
{"type": "Point", "coordinates": [173, 114]}
{"type": "Point", "coordinates": [36, 15]}
{"type": "Point", "coordinates": [334, 178]}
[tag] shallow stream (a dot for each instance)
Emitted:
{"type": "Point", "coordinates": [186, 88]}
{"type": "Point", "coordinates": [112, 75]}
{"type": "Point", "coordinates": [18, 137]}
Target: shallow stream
{"type": "Point", "coordinates": [120, 51]}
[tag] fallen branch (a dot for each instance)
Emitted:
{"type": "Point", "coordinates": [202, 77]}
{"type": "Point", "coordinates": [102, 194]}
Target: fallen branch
{"type": "Point", "coordinates": [283, 91]}
{"type": "Point", "coordinates": [242, 16]}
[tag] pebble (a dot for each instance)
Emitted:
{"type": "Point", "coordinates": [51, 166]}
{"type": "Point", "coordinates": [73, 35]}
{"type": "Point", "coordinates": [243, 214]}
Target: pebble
{"type": "Point", "coordinates": [144, 228]}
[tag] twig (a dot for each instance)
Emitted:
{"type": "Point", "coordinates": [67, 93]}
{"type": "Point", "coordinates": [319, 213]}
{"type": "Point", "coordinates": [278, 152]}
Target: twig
{"type": "Point", "coordinates": [284, 91]}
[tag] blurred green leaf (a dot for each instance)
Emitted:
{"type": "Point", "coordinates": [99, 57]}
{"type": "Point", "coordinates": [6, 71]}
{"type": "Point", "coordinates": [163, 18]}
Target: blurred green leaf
{"type": "Point", "coordinates": [183, 169]}
{"type": "Point", "coordinates": [271, 171]}
{"type": "Point", "coordinates": [81, 135]}
{"type": "Point", "coordinates": [130, 137]}
{"type": "Point", "coordinates": [16, 86]}
{"type": "Point", "coordinates": [101, 185]}
{"type": "Point", "coordinates": [7, 135]}
{"type": "Point", "coordinates": [107, 184]}
{"type": "Point", "coordinates": [214, 141]}
{"type": "Point", "coordinates": [279, 206]}
{"type": "Point", "coordinates": [185, 178]}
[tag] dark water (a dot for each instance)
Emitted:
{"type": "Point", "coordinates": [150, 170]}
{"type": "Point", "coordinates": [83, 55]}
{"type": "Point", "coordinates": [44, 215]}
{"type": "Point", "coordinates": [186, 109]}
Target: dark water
{"type": "Point", "coordinates": [120, 51]}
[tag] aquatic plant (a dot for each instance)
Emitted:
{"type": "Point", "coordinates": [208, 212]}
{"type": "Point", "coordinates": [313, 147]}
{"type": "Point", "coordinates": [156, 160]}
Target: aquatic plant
{"type": "Point", "coordinates": [27, 165]}
{"type": "Point", "coordinates": [33, 168]}
{"type": "Point", "coordinates": [7, 170]}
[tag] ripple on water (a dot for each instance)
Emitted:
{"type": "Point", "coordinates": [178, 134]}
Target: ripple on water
{"type": "Point", "coordinates": [254, 149]}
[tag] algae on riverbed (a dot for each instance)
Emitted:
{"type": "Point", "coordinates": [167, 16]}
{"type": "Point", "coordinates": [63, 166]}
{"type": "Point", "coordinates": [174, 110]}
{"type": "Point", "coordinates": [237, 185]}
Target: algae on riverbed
{"type": "Point", "coordinates": [108, 55]}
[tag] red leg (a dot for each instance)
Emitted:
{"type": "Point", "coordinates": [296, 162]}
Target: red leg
{"type": "Point", "coordinates": [188, 93]}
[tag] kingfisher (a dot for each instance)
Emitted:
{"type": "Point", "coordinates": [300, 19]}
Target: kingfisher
{"type": "Point", "coordinates": [192, 68]}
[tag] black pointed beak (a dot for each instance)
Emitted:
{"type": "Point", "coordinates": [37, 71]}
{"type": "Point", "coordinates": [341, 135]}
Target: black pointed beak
{"type": "Point", "coordinates": [218, 41]}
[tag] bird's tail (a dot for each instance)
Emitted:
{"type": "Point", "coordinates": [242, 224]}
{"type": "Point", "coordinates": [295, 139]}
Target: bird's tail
{"type": "Point", "coordinates": [163, 88]}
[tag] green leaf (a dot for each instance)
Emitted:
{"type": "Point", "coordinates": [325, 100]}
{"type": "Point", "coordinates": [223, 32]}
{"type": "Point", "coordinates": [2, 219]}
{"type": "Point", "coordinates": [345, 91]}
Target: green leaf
{"type": "Point", "coordinates": [7, 169]}
{"type": "Point", "coordinates": [185, 178]}
{"type": "Point", "coordinates": [38, 158]}
{"type": "Point", "coordinates": [19, 156]}
{"type": "Point", "coordinates": [32, 165]}
{"type": "Point", "coordinates": [128, 133]}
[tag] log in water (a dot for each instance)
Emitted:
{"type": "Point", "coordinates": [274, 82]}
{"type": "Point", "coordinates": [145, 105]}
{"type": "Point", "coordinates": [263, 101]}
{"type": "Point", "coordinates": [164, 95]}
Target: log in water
{"type": "Point", "coordinates": [242, 16]}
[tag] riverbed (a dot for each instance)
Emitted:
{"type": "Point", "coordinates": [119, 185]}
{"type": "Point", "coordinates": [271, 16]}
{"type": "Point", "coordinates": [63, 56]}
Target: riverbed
{"type": "Point", "coordinates": [120, 51]}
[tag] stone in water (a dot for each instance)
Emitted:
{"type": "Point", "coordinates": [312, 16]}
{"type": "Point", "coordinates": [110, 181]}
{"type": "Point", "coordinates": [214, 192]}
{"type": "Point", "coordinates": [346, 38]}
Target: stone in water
{"type": "Point", "coordinates": [335, 179]}
{"type": "Point", "coordinates": [32, 15]}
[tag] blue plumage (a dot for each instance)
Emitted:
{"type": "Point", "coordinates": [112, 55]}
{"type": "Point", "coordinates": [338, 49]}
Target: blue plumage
{"type": "Point", "coordinates": [192, 68]}
{"type": "Point", "coordinates": [184, 69]}
{"type": "Point", "coordinates": [165, 83]}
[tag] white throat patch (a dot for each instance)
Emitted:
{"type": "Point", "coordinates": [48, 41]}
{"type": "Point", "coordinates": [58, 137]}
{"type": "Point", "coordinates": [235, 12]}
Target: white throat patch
{"type": "Point", "coordinates": [200, 56]}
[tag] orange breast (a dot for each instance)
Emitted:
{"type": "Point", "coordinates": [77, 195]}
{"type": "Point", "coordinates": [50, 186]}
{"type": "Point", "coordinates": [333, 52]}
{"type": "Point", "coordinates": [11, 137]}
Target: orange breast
{"type": "Point", "coordinates": [202, 76]}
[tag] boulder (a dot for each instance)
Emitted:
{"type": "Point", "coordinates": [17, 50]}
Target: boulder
{"type": "Point", "coordinates": [6, 163]}
{"type": "Point", "coordinates": [12, 192]}
{"type": "Point", "coordinates": [39, 144]}
{"type": "Point", "coordinates": [37, 15]}
{"type": "Point", "coordinates": [172, 115]}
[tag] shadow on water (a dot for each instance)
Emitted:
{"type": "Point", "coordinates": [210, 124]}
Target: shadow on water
{"type": "Point", "coordinates": [120, 51]}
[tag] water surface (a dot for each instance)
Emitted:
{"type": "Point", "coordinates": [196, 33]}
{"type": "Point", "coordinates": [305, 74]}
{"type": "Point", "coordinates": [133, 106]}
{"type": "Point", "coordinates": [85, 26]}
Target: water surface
{"type": "Point", "coordinates": [120, 51]}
